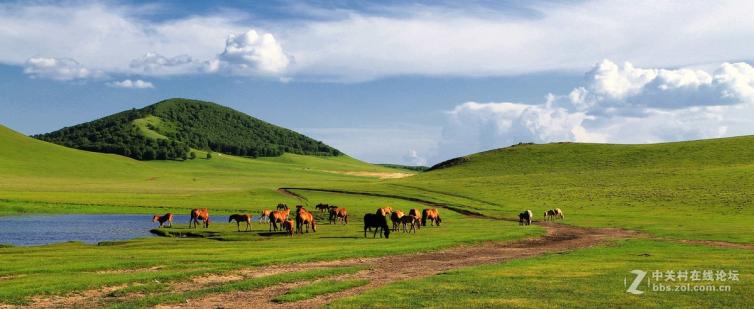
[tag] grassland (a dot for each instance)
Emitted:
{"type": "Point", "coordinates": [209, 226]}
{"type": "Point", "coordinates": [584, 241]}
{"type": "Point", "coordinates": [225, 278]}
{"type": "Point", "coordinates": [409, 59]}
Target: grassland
{"type": "Point", "coordinates": [694, 190]}
{"type": "Point", "coordinates": [588, 278]}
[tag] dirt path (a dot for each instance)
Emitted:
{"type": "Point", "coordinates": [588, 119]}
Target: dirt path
{"type": "Point", "coordinates": [381, 270]}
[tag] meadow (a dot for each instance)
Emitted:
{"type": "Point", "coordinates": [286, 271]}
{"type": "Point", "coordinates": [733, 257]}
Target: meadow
{"type": "Point", "coordinates": [669, 192]}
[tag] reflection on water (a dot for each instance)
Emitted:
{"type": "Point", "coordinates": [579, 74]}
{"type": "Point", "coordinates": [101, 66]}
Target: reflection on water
{"type": "Point", "coordinates": [46, 229]}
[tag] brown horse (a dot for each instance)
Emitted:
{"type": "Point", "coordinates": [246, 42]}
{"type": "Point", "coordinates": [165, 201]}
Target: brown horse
{"type": "Point", "coordinates": [338, 214]}
{"type": "Point", "coordinates": [265, 215]}
{"type": "Point", "coordinates": [385, 211]}
{"type": "Point", "coordinates": [278, 216]}
{"type": "Point", "coordinates": [415, 212]}
{"type": "Point", "coordinates": [288, 226]}
{"type": "Point", "coordinates": [322, 207]}
{"type": "Point", "coordinates": [241, 218]}
{"type": "Point", "coordinates": [199, 214]}
{"type": "Point", "coordinates": [168, 217]}
{"type": "Point", "coordinates": [304, 217]}
{"type": "Point", "coordinates": [396, 218]}
{"type": "Point", "coordinates": [432, 215]}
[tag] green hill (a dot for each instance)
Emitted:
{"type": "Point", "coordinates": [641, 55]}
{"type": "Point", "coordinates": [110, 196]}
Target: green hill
{"type": "Point", "coordinates": [168, 129]}
{"type": "Point", "coordinates": [693, 189]}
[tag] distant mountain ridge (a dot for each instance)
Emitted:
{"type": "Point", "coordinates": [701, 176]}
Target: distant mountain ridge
{"type": "Point", "coordinates": [167, 130]}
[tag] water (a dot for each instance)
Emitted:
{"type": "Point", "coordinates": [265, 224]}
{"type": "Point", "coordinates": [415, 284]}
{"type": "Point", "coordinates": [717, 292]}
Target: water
{"type": "Point", "coordinates": [47, 229]}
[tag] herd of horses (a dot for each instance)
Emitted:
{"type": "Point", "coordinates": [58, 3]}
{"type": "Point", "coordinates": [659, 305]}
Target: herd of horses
{"type": "Point", "coordinates": [525, 217]}
{"type": "Point", "coordinates": [304, 219]}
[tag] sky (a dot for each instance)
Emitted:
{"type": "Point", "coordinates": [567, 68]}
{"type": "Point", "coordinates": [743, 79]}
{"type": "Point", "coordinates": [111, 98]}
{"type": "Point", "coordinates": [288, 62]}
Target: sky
{"type": "Point", "coordinates": [393, 81]}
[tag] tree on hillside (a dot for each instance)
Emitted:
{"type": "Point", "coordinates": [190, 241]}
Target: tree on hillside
{"type": "Point", "coordinates": [192, 155]}
{"type": "Point", "coordinates": [209, 155]}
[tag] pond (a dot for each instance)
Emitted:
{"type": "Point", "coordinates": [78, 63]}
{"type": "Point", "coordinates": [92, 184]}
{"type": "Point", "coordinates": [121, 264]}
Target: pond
{"type": "Point", "coordinates": [30, 230]}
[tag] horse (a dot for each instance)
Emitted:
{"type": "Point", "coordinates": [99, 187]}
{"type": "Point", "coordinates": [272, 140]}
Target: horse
{"type": "Point", "coordinates": [525, 217]}
{"type": "Point", "coordinates": [410, 219]}
{"type": "Point", "coordinates": [432, 215]}
{"type": "Point", "coordinates": [199, 214]}
{"type": "Point", "coordinates": [278, 216]}
{"type": "Point", "coordinates": [548, 214]}
{"type": "Point", "coordinates": [385, 210]}
{"type": "Point", "coordinates": [304, 217]}
{"type": "Point", "coordinates": [322, 207]}
{"type": "Point", "coordinates": [282, 206]}
{"type": "Point", "coordinates": [338, 214]}
{"type": "Point", "coordinates": [559, 213]}
{"type": "Point", "coordinates": [168, 217]}
{"type": "Point", "coordinates": [415, 212]}
{"type": "Point", "coordinates": [265, 216]}
{"type": "Point", "coordinates": [378, 222]}
{"type": "Point", "coordinates": [239, 218]}
{"type": "Point", "coordinates": [396, 218]}
{"type": "Point", "coordinates": [288, 226]}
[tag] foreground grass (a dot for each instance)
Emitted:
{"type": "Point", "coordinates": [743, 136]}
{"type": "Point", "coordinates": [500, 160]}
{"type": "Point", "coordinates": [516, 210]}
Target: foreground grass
{"type": "Point", "coordinates": [319, 288]}
{"type": "Point", "coordinates": [67, 267]}
{"type": "Point", "coordinates": [241, 285]}
{"type": "Point", "coordinates": [588, 278]}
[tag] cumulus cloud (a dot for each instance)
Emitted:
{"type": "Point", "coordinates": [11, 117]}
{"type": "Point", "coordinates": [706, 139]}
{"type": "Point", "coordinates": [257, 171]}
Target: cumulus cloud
{"type": "Point", "coordinates": [131, 84]}
{"type": "Point", "coordinates": [63, 69]}
{"type": "Point", "coordinates": [251, 52]}
{"type": "Point", "coordinates": [617, 104]}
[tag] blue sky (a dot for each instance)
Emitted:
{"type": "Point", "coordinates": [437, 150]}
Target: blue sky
{"type": "Point", "coordinates": [397, 82]}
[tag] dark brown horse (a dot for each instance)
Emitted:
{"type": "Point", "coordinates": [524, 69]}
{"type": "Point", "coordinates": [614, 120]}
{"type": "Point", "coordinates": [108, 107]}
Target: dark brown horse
{"type": "Point", "coordinates": [288, 226]}
{"type": "Point", "coordinates": [396, 218]}
{"type": "Point", "coordinates": [378, 222]}
{"type": "Point", "coordinates": [415, 212]}
{"type": "Point", "coordinates": [304, 218]}
{"type": "Point", "coordinates": [168, 217]}
{"type": "Point", "coordinates": [412, 220]}
{"type": "Point", "coordinates": [282, 206]}
{"type": "Point", "coordinates": [199, 214]}
{"type": "Point", "coordinates": [241, 218]}
{"type": "Point", "coordinates": [322, 207]}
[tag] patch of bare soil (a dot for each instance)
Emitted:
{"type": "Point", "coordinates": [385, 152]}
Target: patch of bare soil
{"type": "Point", "coordinates": [380, 175]}
{"type": "Point", "coordinates": [381, 270]}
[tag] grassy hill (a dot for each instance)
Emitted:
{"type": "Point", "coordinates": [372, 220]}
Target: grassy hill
{"type": "Point", "coordinates": [695, 189]}
{"type": "Point", "coordinates": [168, 129]}
{"type": "Point", "coordinates": [43, 177]}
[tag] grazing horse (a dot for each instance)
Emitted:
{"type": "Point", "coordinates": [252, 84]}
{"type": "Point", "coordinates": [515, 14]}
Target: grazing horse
{"type": "Point", "coordinates": [278, 216]}
{"type": "Point", "coordinates": [322, 207]}
{"type": "Point", "coordinates": [240, 218]}
{"type": "Point", "coordinates": [396, 218]}
{"type": "Point", "coordinates": [415, 212]}
{"type": "Point", "coordinates": [288, 226]}
{"type": "Point", "coordinates": [432, 215]}
{"type": "Point", "coordinates": [282, 206]}
{"type": "Point", "coordinates": [304, 217]}
{"type": "Point", "coordinates": [525, 217]}
{"type": "Point", "coordinates": [559, 213]}
{"type": "Point", "coordinates": [199, 214]}
{"type": "Point", "coordinates": [265, 216]}
{"type": "Point", "coordinates": [168, 217]}
{"type": "Point", "coordinates": [338, 214]}
{"type": "Point", "coordinates": [378, 222]}
{"type": "Point", "coordinates": [410, 219]}
{"type": "Point", "coordinates": [385, 210]}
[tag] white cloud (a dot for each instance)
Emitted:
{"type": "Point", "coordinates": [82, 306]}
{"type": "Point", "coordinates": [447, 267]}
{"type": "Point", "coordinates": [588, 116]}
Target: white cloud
{"type": "Point", "coordinates": [413, 158]}
{"type": "Point", "coordinates": [131, 84]}
{"type": "Point", "coordinates": [617, 105]}
{"type": "Point", "coordinates": [422, 40]}
{"type": "Point", "coordinates": [155, 63]}
{"type": "Point", "coordinates": [63, 69]}
{"type": "Point", "coordinates": [251, 53]}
